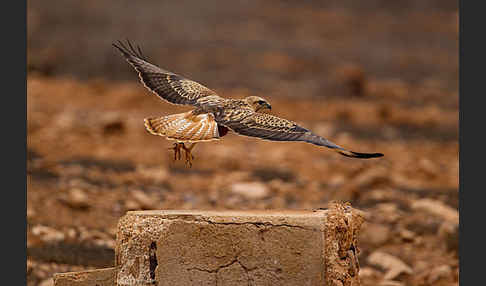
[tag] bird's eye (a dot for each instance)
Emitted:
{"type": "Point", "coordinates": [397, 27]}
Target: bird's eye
{"type": "Point", "coordinates": [261, 102]}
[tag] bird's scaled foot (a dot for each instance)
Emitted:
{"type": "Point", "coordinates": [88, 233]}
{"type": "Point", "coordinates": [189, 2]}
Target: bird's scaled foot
{"type": "Point", "coordinates": [177, 150]}
{"type": "Point", "coordinates": [189, 156]}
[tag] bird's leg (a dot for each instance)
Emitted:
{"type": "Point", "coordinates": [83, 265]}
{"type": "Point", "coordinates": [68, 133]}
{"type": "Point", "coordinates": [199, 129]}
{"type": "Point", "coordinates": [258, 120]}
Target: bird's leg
{"type": "Point", "coordinates": [177, 150]}
{"type": "Point", "coordinates": [189, 156]}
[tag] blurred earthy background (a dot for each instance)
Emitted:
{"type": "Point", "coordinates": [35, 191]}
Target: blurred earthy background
{"type": "Point", "coordinates": [372, 76]}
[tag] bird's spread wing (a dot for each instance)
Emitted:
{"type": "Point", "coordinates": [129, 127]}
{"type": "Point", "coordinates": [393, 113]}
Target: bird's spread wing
{"type": "Point", "coordinates": [167, 85]}
{"type": "Point", "coordinates": [269, 127]}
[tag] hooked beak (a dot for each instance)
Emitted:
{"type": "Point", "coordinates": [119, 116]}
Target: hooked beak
{"type": "Point", "coordinates": [268, 106]}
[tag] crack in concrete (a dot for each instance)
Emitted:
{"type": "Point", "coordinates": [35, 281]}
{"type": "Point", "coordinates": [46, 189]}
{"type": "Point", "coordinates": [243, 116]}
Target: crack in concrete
{"type": "Point", "coordinates": [246, 270]}
{"type": "Point", "coordinates": [200, 218]}
{"type": "Point", "coordinates": [257, 224]}
{"type": "Point", "coordinates": [235, 260]}
{"type": "Point", "coordinates": [153, 261]}
{"type": "Point", "coordinates": [217, 269]}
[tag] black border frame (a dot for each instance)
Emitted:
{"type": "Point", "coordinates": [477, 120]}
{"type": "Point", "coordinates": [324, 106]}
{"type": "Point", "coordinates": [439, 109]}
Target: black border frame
{"type": "Point", "coordinates": [471, 88]}
{"type": "Point", "coordinates": [14, 116]}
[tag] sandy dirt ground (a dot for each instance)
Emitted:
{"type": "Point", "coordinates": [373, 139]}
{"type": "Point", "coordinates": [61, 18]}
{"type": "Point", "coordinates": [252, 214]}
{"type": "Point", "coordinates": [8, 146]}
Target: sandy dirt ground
{"type": "Point", "coordinates": [90, 158]}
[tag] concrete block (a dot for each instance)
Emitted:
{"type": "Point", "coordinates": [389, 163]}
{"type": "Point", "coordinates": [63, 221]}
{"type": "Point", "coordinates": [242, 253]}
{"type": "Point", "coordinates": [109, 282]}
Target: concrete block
{"type": "Point", "coordinates": [98, 277]}
{"type": "Point", "coordinates": [188, 247]}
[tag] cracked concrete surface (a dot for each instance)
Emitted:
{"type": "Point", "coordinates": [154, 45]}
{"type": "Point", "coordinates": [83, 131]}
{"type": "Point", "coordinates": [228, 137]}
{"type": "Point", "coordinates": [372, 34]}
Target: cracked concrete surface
{"type": "Point", "coordinates": [239, 247]}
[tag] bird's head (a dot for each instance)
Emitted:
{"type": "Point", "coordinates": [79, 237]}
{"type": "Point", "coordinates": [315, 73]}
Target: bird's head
{"type": "Point", "coordinates": [258, 103]}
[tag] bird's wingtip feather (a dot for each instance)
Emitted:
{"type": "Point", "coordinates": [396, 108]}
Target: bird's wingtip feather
{"type": "Point", "coordinates": [360, 155]}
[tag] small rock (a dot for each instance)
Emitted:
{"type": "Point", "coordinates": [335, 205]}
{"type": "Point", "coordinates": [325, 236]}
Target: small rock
{"type": "Point", "coordinates": [47, 234]}
{"type": "Point", "coordinates": [438, 209]}
{"type": "Point", "coordinates": [76, 198]}
{"type": "Point", "coordinates": [71, 234]}
{"type": "Point", "coordinates": [407, 235]}
{"type": "Point", "coordinates": [65, 120]}
{"type": "Point", "coordinates": [132, 205]}
{"type": "Point", "coordinates": [428, 167]}
{"type": "Point", "coordinates": [365, 180]}
{"type": "Point", "coordinates": [31, 212]}
{"type": "Point", "coordinates": [390, 263]}
{"type": "Point", "coordinates": [387, 212]}
{"type": "Point", "coordinates": [438, 273]}
{"type": "Point", "coordinates": [141, 200]}
{"type": "Point", "coordinates": [368, 272]}
{"type": "Point", "coordinates": [253, 190]}
{"type": "Point", "coordinates": [157, 174]}
{"type": "Point", "coordinates": [374, 233]}
{"type": "Point", "coordinates": [30, 266]}
{"type": "Point", "coordinates": [449, 232]}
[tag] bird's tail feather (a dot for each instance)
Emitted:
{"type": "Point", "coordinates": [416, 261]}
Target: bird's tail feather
{"type": "Point", "coordinates": [184, 127]}
{"type": "Point", "coordinates": [162, 125]}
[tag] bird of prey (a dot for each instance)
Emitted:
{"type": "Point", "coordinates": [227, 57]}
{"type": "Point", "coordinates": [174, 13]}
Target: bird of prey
{"type": "Point", "coordinates": [213, 116]}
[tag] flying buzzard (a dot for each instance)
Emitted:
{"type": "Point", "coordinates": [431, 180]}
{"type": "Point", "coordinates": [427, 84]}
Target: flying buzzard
{"type": "Point", "coordinates": [213, 116]}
